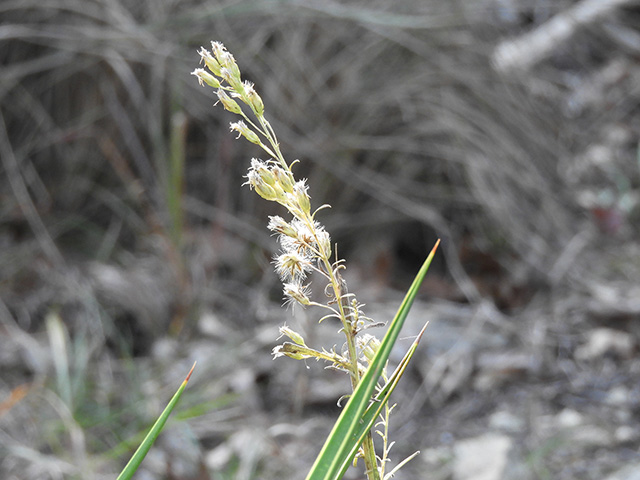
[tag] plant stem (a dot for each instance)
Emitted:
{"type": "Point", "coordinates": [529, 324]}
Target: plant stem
{"type": "Point", "coordinates": [336, 281]}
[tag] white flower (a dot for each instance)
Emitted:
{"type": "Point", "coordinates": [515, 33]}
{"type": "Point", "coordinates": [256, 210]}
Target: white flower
{"type": "Point", "coordinates": [292, 265]}
{"type": "Point", "coordinates": [297, 293]}
{"type": "Point", "coordinates": [278, 224]}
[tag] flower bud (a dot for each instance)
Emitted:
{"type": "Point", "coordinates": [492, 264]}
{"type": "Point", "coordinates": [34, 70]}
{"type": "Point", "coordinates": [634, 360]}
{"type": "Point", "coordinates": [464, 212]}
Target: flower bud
{"type": "Point", "coordinates": [371, 345]}
{"type": "Point", "coordinates": [226, 61]}
{"type": "Point", "coordinates": [263, 171]}
{"type": "Point", "coordinates": [224, 58]}
{"type": "Point", "coordinates": [255, 179]}
{"type": "Point", "coordinates": [284, 179]}
{"type": "Point", "coordinates": [228, 103]}
{"type": "Point", "coordinates": [266, 192]}
{"type": "Point", "coordinates": [234, 81]}
{"type": "Point", "coordinates": [206, 77]}
{"type": "Point", "coordinates": [245, 131]}
{"type": "Point", "coordinates": [297, 352]}
{"type": "Point", "coordinates": [211, 63]}
{"type": "Point", "coordinates": [217, 48]}
{"type": "Point", "coordinates": [254, 100]}
{"type": "Point", "coordinates": [279, 225]}
{"type": "Point", "coordinates": [235, 70]}
{"type": "Point", "coordinates": [300, 192]}
{"type": "Point", "coordinates": [297, 293]}
{"type": "Point", "coordinates": [296, 337]}
{"type": "Point", "coordinates": [324, 242]}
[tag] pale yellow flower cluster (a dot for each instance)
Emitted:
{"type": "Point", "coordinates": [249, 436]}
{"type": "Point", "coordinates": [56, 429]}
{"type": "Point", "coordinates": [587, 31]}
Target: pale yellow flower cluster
{"type": "Point", "coordinates": [305, 244]}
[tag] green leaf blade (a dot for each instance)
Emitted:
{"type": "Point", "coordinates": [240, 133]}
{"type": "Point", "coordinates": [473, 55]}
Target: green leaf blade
{"type": "Point", "coordinates": [344, 439]}
{"type": "Point", "coordinates": [375, 408]}
{"type": "Point", "coordinates": [145, 446]}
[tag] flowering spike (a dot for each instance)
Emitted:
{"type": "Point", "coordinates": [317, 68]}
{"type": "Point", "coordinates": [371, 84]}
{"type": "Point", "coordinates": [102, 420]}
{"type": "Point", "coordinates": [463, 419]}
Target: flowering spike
{"type": "Point", "coordinates": [306, 246]}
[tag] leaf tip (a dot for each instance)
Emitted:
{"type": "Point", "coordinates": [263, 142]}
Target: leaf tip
{"type": "Point", "coordinates": [419, 337]}
{"type": "Point", "coordinates": [190, 372]}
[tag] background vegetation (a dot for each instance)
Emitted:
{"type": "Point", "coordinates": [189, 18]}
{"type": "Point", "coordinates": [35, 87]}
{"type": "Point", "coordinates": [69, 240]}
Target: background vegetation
{"type": "Point", "coordinates": [130, 250]}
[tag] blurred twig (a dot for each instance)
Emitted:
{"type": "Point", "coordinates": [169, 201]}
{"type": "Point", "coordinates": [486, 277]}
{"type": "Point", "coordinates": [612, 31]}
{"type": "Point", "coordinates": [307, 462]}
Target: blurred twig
{"type": "Point", "coordinates": [525, 51]}
{"type": "Point", "coordinates": [29, 210]}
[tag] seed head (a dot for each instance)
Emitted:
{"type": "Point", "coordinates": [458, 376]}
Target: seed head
{"type": "Point", "coordinates": [305, 239]}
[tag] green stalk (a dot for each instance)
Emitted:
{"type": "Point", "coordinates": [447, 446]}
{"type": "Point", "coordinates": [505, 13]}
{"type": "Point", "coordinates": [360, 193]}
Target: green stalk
{"type": "Point", "coordinates": [176, 177]}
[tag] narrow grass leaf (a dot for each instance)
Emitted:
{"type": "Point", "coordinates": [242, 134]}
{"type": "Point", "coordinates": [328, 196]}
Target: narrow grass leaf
{"type": "Point", "coordinates": [344, 439]}
{"type": "Point", "coordinates": [151, 437]}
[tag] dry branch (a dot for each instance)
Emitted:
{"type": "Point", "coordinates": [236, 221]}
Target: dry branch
{"type": "Point", "coordinates": [525, 51]}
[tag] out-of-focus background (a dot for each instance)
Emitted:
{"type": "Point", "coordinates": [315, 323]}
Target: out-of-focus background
{"type": "Point", "coordinates": [128, 250]}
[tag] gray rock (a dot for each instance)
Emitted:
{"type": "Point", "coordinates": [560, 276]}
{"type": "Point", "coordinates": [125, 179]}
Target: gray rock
{"type": "Point", "coordinates": [630, 472]}
{"type": "Point", "coordinates": [506, 422]}
{"type": "Point", "coordinates": [602, 341]}
{"type": "Point", "coordinates": [482, 458]}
